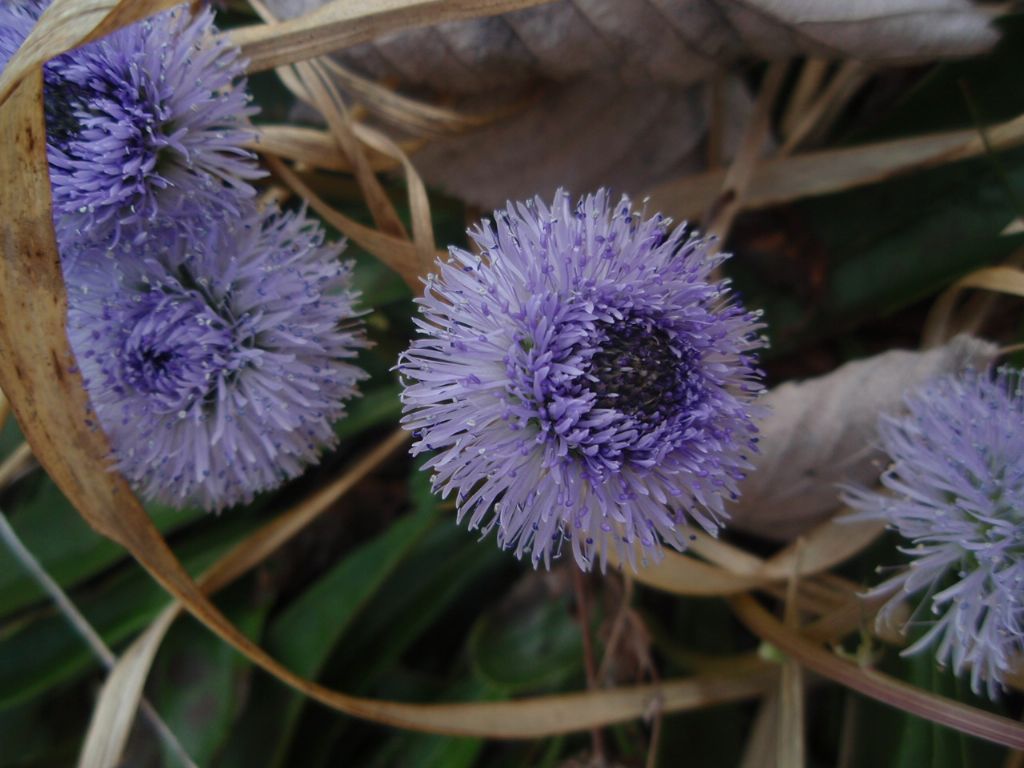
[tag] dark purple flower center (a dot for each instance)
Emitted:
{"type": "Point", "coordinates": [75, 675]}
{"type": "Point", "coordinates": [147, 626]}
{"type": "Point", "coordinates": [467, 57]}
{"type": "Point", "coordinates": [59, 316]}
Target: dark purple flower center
{"type": "Point", "coordinates": [640, 371]}
{"type": "Point", "coordinates": [177, 350]}
{"type": "Point", "coordinates": [64, 99]}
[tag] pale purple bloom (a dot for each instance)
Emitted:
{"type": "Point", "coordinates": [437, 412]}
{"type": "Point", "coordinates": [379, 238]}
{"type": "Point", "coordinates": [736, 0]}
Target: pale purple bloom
{"type": "Point", "coordinates": [956, 491]}
{"type": "Point", "coordinates": [584, 381]}
{"type": "Point", "coordinates": [216, 362]}
{"type": "Point", "coordinates": [147, 122]}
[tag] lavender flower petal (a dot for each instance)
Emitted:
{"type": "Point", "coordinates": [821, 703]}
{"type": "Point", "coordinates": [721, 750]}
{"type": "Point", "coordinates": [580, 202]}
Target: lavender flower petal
{"type": "Point", "coordinates": [957, 494]}
{"type": "Point", "coordinates": [583, 382]}
{"type": "Point", "coordinates": [147, 123]}
{"type": "Point", "coordinates": [216, 364]}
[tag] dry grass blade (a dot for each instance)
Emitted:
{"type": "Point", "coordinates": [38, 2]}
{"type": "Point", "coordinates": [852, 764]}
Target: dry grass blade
{"type": "Point", "coordinates": [416, 117]}
{"type": "Point", "coordinates": [114, 713]}
{"type": "Point", "coordinates": [396, 253]}
{"type": "Point", "coordinates": [876, 685]}
{"type": "Point", "coordinates": [122, 692]}
{"type": "Point", "coordinates": [351, 137]}
{"type": "Point", "coordinates": [85, 631]}
{"type": "Point", "coordinates": [977, 310]}
{"type": "Point", "coordinates": [737, 178]}
{"type": "Point", "coordinates": [808, 86]}
{"type": "Point", "coordinates": [1008, 280]}
{"type": "Point", "coordinates": [314, 148]}
{"type": "Point", "coordinates": [733, 571]}
{"type": "Point", "coordinates": [345, 23]}
{"type": "Point", "coordinates": [328, 101]}
{"type": "Point", "coordinates": [826, 108]}
{"type": "Point", "coordinates": [68, 23]}
{"type": "Point", "coordinates": [854, 613]}
{"type": "Point", "coordinates": [827, 545]}
{"type": "Point", "coordinates": [790, 743]}
{"type": "Point", "coordinates": [759, 751]}
{"type": "Point", "coordinates": [419, 203]}
{"type": "Point", "coordinates": [779, 180]}
{"type": "Point", "coordinates": [16, 464]}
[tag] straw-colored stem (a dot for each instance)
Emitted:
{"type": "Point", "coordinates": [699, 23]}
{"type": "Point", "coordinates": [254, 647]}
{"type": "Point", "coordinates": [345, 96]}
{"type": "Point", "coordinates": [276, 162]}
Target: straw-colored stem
{"type": "Point", "coordinates": [84, 630]}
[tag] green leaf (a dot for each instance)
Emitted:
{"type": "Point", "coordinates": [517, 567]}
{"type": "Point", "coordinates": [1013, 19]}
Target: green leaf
{"type": "Point", "coordinates": [925, 743]}
{"type": "Point", "coordinates": [432, 591]}
{"type": "Point", "coordinates": [64, 544]}
{"type": "Point", "coordinates": [43, 651]}
{"type": "Point", "coordinates": [197, 678]}
{"type": "Point", "coordinates": [527, 646]}
{"type": "Point", "coordinates": [888, 246]}
{"type": "Point", "coordinates": [303, 635]}
{"type": "Point", "coordinates": [419, 750]}
{"type": "Point", "coordinates": [376, 407]}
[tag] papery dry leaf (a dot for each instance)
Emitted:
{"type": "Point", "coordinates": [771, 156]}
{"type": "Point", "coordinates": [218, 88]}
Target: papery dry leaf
{"type": "Point", "coordinates": [335, 24]}
{"type": "Point", "coordinates": [581, 136]}
{"type": "Point", "coordinates": [821, 432]}
{"type": "Point", "coordinates": [617, 84]}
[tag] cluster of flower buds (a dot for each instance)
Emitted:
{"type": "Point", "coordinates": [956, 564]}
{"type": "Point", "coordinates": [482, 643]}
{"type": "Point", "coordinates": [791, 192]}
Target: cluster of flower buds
{"type": "Point", "coordinates": [215, 339]}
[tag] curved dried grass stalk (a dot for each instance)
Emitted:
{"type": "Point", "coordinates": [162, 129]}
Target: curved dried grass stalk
{"type": "Point", "coordinates": [411, 115]}
{"type": "Point", "coordinates": [782, 179]}
{"type": "Point", "coordinates": [314, 148]}
{"type": "Point", "coordinates": [343, 23]}
{"type": "Point", "coordinates": [316, 86]}
{"type": "Point", "coordinates": [122, 691]}
{"type": "Point", "coordinates": [881, 687]}
{"type": "Point", "coordinates": [1008, 280]}
{"type": "Point", "coordinates": [396, 253]}
{"type": "Point", "coordinates": [733, 571]}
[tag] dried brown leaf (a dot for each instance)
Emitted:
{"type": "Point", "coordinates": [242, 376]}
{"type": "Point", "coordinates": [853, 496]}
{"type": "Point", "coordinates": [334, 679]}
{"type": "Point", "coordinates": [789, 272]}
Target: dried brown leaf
{"type": "Point", "coordinates": [821, 432]}
{"type": "Point", "coordinates": [640, 42]}
{"type": "Point", "coordinates": [339, 24]}
{"type": "Point", "coordinates": [617, 86]}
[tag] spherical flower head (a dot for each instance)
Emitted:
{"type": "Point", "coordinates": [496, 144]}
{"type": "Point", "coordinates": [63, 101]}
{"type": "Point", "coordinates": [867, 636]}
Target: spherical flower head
{"type": "Point", "coordinates": [584, 380]}
{"type": "Point", "coordinates": [216, 365]}
{"type": "Point", "coordinates": [956, 487]}
{"type": "Point", "coordinates": [150, 121]}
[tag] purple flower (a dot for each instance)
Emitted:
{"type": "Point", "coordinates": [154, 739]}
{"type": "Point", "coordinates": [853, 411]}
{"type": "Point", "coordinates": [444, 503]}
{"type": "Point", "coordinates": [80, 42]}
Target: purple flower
{"type": "Point", "coordinates": [147, 122]}
{"type": "Point", "coordinates": [956, 491]}
{"type": "Point", "coordinates": [583, 379]}
{"type": "Point", "coordinates": [216, 363]}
